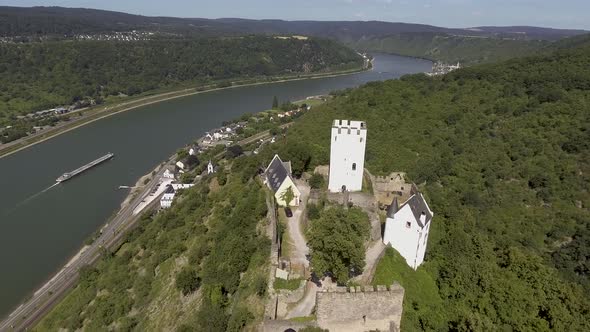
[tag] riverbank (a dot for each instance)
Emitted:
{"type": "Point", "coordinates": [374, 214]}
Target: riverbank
{"type": "Point", "coordinates": [103, 112]}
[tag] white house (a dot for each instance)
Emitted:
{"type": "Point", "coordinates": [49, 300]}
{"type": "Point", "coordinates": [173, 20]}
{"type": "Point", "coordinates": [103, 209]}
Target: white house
{"type": "Point", "coordinates": [177, 186]}
{"type": "Point", "coordinates": [407, 228]}
{"type": "Point", "coordinates": [191, 151]}
{"type": "Point", "coordinates": [168, 174]}
{"type": "Point", "coordinates": [167, 198]}
{"type": "Point", "coordinates": [347, 155]}
{"type": "Point", "coordinates": [279, 180]}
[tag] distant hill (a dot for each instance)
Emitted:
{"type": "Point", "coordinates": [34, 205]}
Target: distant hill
{"type": "Point", "coordinates": [528, 32]}
{"type": "Point", "coordinates": [19, 21]}
{"type": "Point", "coordinates": [466, 45]}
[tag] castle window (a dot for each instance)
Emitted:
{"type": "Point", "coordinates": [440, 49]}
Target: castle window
{"type": "Point", "coordinates": [354, 166]}
{"type": "Point", "coordinates": [335, 138]}
{"type": "Point", "coordinates": [361, 139]}
{"type": "Point", "coordinates": [408, 224]}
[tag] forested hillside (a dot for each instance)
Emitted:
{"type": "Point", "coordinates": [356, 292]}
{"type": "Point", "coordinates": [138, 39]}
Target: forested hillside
{"type": "Point", "coordinates": [503, 154]}
{"type": "Point", "coordinates": [37, 76]}
{"type": "Point", "coordinates": [199, 266]}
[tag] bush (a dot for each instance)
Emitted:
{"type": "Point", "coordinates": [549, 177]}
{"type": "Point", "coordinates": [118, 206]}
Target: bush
{"type": "Point", "coordinates": [187, 280]}
{"type": "Point", "coordinates": [316, 181]}
{"type": "Point", "coordinates": [234, 151]}
{"type": "Point", "coordinates": [260, 285]}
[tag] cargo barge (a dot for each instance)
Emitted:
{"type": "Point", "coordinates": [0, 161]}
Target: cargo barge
{"type": "Point", "coordinates": [68, 175]}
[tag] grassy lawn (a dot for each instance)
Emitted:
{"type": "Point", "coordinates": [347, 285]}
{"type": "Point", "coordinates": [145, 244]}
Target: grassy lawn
{"type": "Point", "coordinates": [419, 286]}
{"type": "Point", "coordinates": [303, 319]}
{"type": "Point", "coordinates": [292, 284]}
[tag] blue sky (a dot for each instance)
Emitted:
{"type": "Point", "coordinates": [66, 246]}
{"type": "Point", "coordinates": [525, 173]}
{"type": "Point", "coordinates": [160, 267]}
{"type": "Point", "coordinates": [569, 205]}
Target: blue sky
{"type": "Point", "coordinates": [448, 13]}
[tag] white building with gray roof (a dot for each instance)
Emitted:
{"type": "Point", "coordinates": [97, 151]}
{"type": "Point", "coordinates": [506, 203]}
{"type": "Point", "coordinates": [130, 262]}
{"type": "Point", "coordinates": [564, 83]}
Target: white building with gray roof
{"type": "Point", "coordinates": [279, 180]}
{"type": "Point", "coordinates": [407, 228]}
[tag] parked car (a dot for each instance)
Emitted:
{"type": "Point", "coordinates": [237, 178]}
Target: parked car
{"type": "Point", "coordinates": [288, 212]}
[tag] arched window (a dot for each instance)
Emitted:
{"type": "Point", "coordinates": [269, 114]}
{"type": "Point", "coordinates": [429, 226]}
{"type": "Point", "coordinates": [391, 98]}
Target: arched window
{"type": "Point", "coordinates": [354, 166]}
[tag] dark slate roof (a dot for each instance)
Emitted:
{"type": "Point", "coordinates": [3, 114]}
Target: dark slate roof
{"type": "Point", "coordinates": [287, 165]}
{"type": "Point", "coordinates": [393, 208]}
{"type": "Point", "coordinates": [169, 190]}
{"type": "Point", "coordinates": [276, 173]}
{"type": "Point", "coordinates": [418, 206]}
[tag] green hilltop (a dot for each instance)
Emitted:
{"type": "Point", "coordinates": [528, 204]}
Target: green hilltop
{"type": "Point", "coordinates": [502, 153]}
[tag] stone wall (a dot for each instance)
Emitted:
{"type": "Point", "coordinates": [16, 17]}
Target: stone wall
{"type": "Point", "coordinates": [387, 187]}
{"type": "Point", "coordinates": [360, 309]}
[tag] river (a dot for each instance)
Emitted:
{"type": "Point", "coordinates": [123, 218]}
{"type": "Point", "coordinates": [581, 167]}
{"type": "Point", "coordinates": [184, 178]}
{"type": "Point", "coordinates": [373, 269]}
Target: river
{"type": "Point", "coordinates": [40, 231]}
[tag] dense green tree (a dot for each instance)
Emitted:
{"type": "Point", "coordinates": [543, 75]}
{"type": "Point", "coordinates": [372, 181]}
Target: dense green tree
{"type": "Point", "coordinates": [337, 240]}
{"type": "Point", "coordinates": [288, 195]}
{"type": "Point", "coordinates": [316, 181]}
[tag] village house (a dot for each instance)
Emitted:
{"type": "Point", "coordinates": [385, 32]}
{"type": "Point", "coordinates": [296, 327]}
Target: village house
{"type": "Point", "coordinates": [407, 228]}
{"type": "Point", "coordinates": [170, 193]}
{"type": "Point", "coordinates": [168, 174]}
{"type": "Point", "coordinates": [167, 198]}
{"type": "Point", "coordinates": [279, 180]}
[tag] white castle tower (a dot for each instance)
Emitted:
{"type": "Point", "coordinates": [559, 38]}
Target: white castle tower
{"type": "Point", "coordinates": [347, 155]}
{"type": "Point", "coordinates": [407, 228]}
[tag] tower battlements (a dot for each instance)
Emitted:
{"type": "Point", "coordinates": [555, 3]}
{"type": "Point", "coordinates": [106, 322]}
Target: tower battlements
{"type": "Point", "coordinates": [349, 126]}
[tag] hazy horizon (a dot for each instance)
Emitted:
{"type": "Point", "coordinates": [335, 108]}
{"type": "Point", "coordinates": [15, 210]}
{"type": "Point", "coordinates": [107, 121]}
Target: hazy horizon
{"type": "Point", "coordinates": [566, 14]}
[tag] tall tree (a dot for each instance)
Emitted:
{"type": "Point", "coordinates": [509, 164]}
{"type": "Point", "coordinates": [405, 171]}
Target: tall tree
{"type": "Point", "coordinates": [288, 196]}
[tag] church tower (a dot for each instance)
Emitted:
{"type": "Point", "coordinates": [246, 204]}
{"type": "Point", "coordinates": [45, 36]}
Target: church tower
{"type": "Point", "coordinates": [210, 169]}
{"type": "Point", "coordinates": [347, 155]}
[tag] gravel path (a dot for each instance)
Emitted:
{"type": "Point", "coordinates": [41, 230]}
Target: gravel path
{"type": "Point", "coordinates": [305, 307]}
{"type": "Point", "coordinates": [372, 256]}
{"type": "Point", "coordinates": [300, 250]}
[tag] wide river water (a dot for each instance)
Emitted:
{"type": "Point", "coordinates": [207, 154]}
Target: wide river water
{"type": "Point", "coordinates": [40, 231]}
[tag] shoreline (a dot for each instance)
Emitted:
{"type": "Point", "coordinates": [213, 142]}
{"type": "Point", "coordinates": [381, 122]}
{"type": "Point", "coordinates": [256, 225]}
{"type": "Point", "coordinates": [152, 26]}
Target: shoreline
{"type": "Point", "coordinates": [161, 97]}
{"type": "Point", "coordinates": [63, 269]}
{"type": "Point", "coordinates": [138, 187]}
